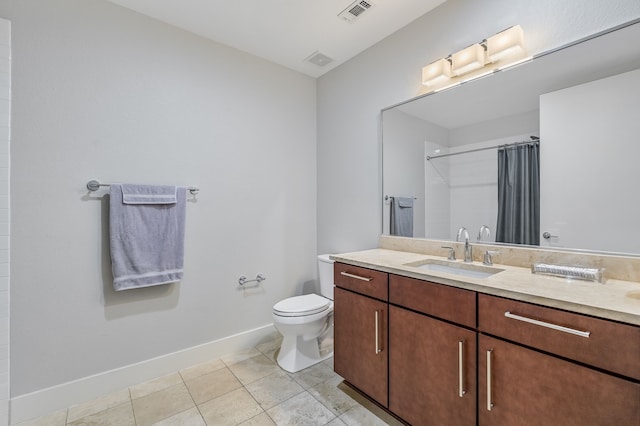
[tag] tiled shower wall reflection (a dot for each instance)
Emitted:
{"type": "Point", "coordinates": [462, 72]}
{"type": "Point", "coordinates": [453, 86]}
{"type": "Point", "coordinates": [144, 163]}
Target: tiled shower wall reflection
{"type": "Point", "coordinates": [5, 120]}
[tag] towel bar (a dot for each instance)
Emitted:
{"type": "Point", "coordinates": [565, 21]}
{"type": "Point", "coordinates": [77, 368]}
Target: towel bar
{"type": "Point", "coordinates": [94, 185]}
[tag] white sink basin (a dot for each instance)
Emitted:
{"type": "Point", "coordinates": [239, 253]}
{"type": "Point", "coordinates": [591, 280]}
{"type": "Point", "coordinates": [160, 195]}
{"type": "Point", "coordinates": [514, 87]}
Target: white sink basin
{"type": "Point", "coordinates": [456, 268]}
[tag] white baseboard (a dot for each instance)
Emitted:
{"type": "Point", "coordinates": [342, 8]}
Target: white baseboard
{"type": "Point", "coordinates": [49, 400]}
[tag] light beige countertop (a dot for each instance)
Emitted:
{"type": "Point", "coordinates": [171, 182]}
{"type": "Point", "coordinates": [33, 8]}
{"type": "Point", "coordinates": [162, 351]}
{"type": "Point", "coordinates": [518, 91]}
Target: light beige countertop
{"type": "Point", "coordinates": [615, 299]}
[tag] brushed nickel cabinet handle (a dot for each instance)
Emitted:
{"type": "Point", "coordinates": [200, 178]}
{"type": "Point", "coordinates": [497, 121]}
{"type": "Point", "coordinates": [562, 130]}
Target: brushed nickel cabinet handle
{"type": "Point", "coordinates": [548, 325]}
{"type": "Point", "coordinates": [489, 396]}
{"type": "Point", "coordinates": [357, 277]}
{"type": "Point", "coordinates": [461, 390]}
{"type": "Point", "coordinates": [378, 350]}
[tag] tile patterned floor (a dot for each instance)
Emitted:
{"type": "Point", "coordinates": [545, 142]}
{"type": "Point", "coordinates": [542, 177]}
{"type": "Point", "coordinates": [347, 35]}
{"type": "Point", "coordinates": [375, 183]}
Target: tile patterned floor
{"type": "Point", "coordinates": [246, 388]}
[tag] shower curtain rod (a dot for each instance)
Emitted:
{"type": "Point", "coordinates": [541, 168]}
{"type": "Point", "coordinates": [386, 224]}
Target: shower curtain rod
{"type": "Point", "coordinates": [534, 140]}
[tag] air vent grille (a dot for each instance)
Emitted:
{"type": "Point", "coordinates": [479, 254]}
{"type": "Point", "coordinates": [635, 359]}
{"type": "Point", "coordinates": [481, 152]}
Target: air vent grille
{"type": "Point", "coordinates": [319, 59]}
{"type": "Point", "coordinates": [355, 10]}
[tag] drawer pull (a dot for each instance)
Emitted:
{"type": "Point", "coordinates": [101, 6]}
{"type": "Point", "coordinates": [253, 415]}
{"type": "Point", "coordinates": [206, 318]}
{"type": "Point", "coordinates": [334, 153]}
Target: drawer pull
{"type": "Point", "coordinates": [548, 325]}
{"type": "Point", "coordinates": [378, 350]}
{"type": "Point", "coordinates": [357, 277]}
{"type": "Point", "coordinates": [461, 390]}
{"type": "Point", "coordinates": [489, 403]}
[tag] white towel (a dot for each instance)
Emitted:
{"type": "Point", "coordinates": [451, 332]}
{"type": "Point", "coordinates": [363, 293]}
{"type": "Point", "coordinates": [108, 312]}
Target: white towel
{"type": "Point", "coordinates": [146, 226]}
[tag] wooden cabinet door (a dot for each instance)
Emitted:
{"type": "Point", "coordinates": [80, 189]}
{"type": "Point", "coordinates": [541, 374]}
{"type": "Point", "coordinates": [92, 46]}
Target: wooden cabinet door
{"type": "Point", "coordinates": [360, 343]}
{"type": "Point", "coordinates": [520, 386]}
{"type": "Point", "coordinates": [432, 375]}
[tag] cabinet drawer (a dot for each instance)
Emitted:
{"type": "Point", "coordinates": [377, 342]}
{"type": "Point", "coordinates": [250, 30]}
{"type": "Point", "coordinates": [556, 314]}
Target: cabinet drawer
{"type": "Point", "coordinates": [362, 280]}
{"type": "Point", "coordinates": [605, 344]}
{"type": "Point", "coordinates": [449, 303]}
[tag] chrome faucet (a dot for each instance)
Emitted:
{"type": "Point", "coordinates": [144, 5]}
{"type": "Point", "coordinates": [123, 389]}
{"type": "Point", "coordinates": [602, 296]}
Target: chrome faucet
{"type": "Point", "coordinates": [468, 250]}
{"type": "Point", "coordinates": [488, 257]}
{"type": "Point", "coordinates": [452, 253]}
{"type": "Point", "coordinates": [484, 229]}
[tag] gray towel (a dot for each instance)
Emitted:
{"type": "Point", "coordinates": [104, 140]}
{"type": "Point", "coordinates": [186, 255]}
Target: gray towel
{"type": "Point", "coordinates": [146, 227]}
{"type": "Point", "coordinates": [402, 216]}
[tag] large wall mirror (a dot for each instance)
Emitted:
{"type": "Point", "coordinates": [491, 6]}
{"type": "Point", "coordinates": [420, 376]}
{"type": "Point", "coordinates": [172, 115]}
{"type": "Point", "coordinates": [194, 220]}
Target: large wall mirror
{"type": "Point", "coordinates": [582, 102]}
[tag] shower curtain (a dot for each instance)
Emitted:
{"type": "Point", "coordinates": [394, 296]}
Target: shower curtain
{"type": "Point", "coordinates": [519, 194]}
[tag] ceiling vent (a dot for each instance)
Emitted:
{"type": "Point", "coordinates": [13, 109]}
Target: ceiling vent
{"type": "Point", "coordinates": [319, 59]}
{"type": "Point", "coordinates": [355, 10]}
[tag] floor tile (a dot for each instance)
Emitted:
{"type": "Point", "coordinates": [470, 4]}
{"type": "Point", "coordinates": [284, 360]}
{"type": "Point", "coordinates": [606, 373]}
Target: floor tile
{"type": "Point", "coordinates": [372, 413]}
{"type": "Point", "coordinates": [313, 375]}
{"type": "Point", "coordinates": [259, 420]}
{"type": "Point", "coordinates": [333, 397]}
{"type": "Point", "coordinates": [240, 356]}
{"type": "Point", "coordinates": [274, 389]}
{"type": "Point", "coordinates": [120, 415]}
{"type": "Point", "coordinates": [162, 404]}
{"type": "Point", "coordinates": [100, 404]}
{"type": "Point", "coordinates": [212, 385]}
{"type": "Point", "coordinates": [59, 418]}
{"type": "Point", "coordinates": [230, 409]}
{"type": "Point", "coordinates": [202, 369]}
{"type": "Point", "coordinates": [270, 348]}
{"type": "Point", "coordinates": [144, 389]}
{"type": "Point", "coordinates": [328, 362]}
{"type": "Point", "coordinates": [254, 368]}
{"type": "Point", "coordinates": [336, 422]}
{"type": "Point", "coordinates": [360, 416]}
{"type": "Point", "coordinates": [301, 410]}
{"type": "Point", "coordinates": [213, 394]}
{"type": "Point", "coordinates": [190, 417]}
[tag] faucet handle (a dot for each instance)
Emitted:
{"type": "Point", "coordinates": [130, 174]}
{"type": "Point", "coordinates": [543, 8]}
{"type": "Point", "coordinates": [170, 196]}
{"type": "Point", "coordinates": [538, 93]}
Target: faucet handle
{"type": "Point", "coordinates": [452, 253]}
{"type": "Point", "coordinates": [488, 257]}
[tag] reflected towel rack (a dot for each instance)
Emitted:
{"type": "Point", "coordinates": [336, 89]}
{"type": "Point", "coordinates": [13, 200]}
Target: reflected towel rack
{"type": "Point", "coordinates": [386, 197]}
{"type": "Point", "coordinates": [534, 140]}
{"type": "Point", "coordinates": [94, 185]}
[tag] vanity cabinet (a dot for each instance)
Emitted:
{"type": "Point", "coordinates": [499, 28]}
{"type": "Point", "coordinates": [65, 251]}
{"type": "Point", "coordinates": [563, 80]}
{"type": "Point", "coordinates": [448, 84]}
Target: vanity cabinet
{"type": "Point", "coordinates": [361, 314]}
{"type": "Point", "coordinates": [517, 385]}
{"type": "Point", "coordinates": [434, 354]}
{"type": "Point", "coordinates": [432, 363]}
{"type": "Point", "coordinates": [517, 382]}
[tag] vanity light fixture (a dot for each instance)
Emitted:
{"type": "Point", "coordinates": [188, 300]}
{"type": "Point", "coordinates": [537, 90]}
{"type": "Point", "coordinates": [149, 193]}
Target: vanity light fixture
{"type": "Point", "coordinates": [509, 42]}
{"type": "Point", "coordinates": [437, 72]}
{"type": "Point", "coordinates": [468, 59]}
{"type": "Point", "coordinates": [497, 52]}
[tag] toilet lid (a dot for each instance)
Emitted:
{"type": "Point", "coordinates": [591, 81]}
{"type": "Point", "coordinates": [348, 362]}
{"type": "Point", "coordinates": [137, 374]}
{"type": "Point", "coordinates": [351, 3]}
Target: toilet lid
{"type": "Point", "coordinates": [296, 306]}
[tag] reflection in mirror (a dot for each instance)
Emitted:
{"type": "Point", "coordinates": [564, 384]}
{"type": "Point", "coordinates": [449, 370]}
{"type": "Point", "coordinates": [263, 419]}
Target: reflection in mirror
{"type": "Point", "coordinates": [580, 100]}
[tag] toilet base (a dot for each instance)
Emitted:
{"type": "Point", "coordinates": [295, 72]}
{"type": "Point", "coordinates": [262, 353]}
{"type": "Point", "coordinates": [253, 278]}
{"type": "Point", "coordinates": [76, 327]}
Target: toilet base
{"type": "Point", "coordinates": [299, 352]}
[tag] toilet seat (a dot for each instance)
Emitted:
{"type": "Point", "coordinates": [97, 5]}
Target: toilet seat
{"type": "Point", "coordinates": [297, 306]}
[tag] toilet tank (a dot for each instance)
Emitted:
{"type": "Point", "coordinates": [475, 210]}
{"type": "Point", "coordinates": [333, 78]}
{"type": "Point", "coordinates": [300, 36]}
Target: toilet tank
{"type": "Point", "coordinates": [325, 271]}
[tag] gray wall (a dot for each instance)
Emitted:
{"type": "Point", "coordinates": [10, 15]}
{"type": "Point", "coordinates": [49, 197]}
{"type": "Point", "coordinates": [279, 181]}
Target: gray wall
{"type": "Point", "coordinates": [5, 132]}
{"type": "Point", "coordinates": [351, 96]}
{"type": "Point", "coordinates": [102, 92]}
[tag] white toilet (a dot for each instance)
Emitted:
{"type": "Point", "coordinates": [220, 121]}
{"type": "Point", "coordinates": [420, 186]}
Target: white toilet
{"type": "Point", "coordinates": [306, 323]}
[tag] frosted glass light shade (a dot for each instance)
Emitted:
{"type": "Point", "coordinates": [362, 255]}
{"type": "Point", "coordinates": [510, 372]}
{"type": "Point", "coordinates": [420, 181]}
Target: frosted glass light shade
{"type": "Point", "coordinates": [468, 59]}
{"type": "Point", "coordinates": [509, 42]}
{"type": "Point", "coordinates": [436, 72]}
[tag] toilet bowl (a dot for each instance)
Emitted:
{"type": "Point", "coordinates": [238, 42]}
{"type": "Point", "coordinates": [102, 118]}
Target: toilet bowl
{"type": "Point", "coordinates": [306, 323]}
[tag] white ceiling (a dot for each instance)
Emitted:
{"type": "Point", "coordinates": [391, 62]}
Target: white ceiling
{"type": "Point", "coordinates": [287, 31]}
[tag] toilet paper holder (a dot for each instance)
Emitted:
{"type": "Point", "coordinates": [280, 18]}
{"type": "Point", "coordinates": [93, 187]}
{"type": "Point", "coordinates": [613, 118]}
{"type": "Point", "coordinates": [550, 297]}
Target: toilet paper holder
{"type": "Point", "coordinates": [259, 278]}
